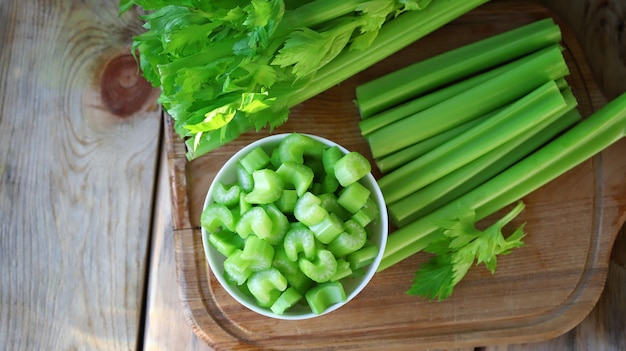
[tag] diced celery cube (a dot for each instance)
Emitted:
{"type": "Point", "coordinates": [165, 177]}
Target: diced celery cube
{"type": "Point", "coordinates": [351, 167]}
{"type": "Point", "coordinates": [287, 201]}
{"type": "Point", "coordinates": [256, 159]}
{"type": "Point", "coordinates": [280, 224]}
{"type": "Point", "coordinates": [325, 295]}
{"type": "Point", "coordinates": [258, 252]}
{"type": "Point", "coordinates": [281, 262]}
{"type": "Point", "coordinates": [244, 205]}
{"type": "Point", "coordinates": [308, 210]}
{"type": "Point", "coordinates": [226, 195]}
{"type": "Point", "coordinates": [343, 270]}
{"type": "Point", "coordinates": [328, 229]}
{"type": "Point", "coordinates": [286, 300]}
{"type": "Point", "coordinates": [367, 214]}
{"type": "Point", "coordinates": [329, 184]}
{"type": "Point", "coordinates": [299, 280]}
{"type": "Point", "coordinates": [363, 256]}
{"type": "Point", "coordinates": [266, 285]}
{"type": "Point", "coordinates": [321, 268]}
{"type": "Point", "coordinates": [353, 197]}
{"type": "Point", "coordinates": [254, 221]}
{"type": "Point", "coordinates": [244, 178]}
{"type": "Point", "coordinates": [299, 175]}
{"type": "Point", "coordinates": [216, 216]}
{"type": "Point", "coordinates": [330, 156]}
{"type": "Point", "coordinates": [267, 187]}
{"type": "Point", "coordinates": [237, 268]}
{"type": "Point", "coordinates": [330, 204]}
{"type": "Point", "coordinates": [352, 239]}
{"type": "Point", "coordinates": [294, 146]}
{"type": "Point", "coordinates": [299, 239]}
{"type": "Point", "coordinates": [226, 242]}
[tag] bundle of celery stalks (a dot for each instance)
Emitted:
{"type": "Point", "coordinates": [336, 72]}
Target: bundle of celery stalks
{"type": "Point", "coordinates": [467, 133]}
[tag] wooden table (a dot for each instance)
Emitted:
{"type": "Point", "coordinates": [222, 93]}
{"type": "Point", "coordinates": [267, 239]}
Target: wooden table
{"type": "Point", "coordinates": [86, 245]}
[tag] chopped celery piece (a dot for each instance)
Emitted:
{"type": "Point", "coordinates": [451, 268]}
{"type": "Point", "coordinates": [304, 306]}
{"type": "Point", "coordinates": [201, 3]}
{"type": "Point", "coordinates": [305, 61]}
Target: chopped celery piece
{"type": "Point", "coordinates": [324, 295]}
{"type": "Point", "coordinates": [351, 167]}
{"type": "Point", "coordinates": [321, 268]}
{"type": "Point", "coordinates": [316, 166]}
{"type": "Point", "coordinates": [299, 280]}
{"type": "Point", "coordinates": [299, 239]}
{"type": "Point", "coordinates": [266, 285]}
{"type": "Point", "coordinates": [244, 205]}
{"type": "Point", "coordinates": [353, 197]}
{"type": "Point", "coordinates": [258, 252]}
{"type": "Point", "coordinates": [329, 184]}
{"type": "Point", "coordinates": [216, 216]}
{"type": "Point", "coordinates": [226, 195]}
{"type": "Point", "coordinates": [308, 210]}
{"type": "Point", "coordinates": [287, 201]}
{"type": "Point", "coordinates": [286, 300]}
{"type": "Point", "coordinates": [330, 204]}
{"type": "Point", "coordinates": [244, 178]}
{"type": "Point", "coordinates": [254, 221]}
{"type": "Point", "coordinates": [226, 242]}
{"type": "Point", "coordinates": [328, 229]}
{"type": "Point", "coordinates": [343, 270]}
{"type": "Point", "coordinates": [330, 156]}
{"type": "Point", "coordinates": [268, 186]}
{"type": "Point", "coordinates": [295, 146]}
{"type": "Point", "coordinates": [280, 224]}
{"type": "Point", "coordinates": [237, 268]}
{"type": "Point", "coordinates": [367, 214]}
{"type": "Point", "coordinates": [299, 175]}
{"type": "Point", "coordinates": [275, 160]}
{"type": "Point", "coordinates": [363, 256]}
{"type": "Point", "coordinates": [282, 262]}
{"type": "Point", "coordinates": [256, 159]}
{"type": "Point", "coordinates": [351, 239]}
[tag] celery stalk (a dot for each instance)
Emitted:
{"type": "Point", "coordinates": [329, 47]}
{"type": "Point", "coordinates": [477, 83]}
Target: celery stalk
{"type": "Point", "coordinates": [578, 144]}
{"type": "Point", "coordinates": [518, 118]}
{"type": "Point", "coordinates": [404, 156]}
{"type": "Point", "coordinates": [398, 86]}
{"type": "Point", "coordinates": [423, 102]}
{"type": "Point", "coordinates": [392, 37]}
{"type": "Point", "coordinates": [455, 184]}
{"type": "Point", "coordinates": [538, 68]}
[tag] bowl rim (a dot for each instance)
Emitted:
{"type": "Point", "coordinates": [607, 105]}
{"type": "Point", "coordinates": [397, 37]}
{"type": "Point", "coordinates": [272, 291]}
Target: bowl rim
{"type": "Point", "coordinates": [210, 252]}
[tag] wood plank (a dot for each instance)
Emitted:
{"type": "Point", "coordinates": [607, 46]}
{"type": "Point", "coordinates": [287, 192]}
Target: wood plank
{"type": "Point", "coordinates": [78, 138]}
{"type": "Point", "coordinates": [167, 328]}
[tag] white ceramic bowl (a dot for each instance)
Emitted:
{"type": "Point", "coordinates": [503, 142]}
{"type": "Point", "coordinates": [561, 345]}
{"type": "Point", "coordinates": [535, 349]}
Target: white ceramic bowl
{"type": "Point", "coordinates": [377, 230]}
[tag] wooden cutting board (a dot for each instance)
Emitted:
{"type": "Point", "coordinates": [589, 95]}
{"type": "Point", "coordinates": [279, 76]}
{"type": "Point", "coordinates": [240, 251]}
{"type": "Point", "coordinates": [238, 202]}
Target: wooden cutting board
{"type": "Point", "coordinates": [538, 292]}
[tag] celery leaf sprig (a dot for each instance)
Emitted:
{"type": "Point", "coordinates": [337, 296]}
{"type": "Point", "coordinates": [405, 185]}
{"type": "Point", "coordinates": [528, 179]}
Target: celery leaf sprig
{"type": "Point", "coordinates": [460, 247]}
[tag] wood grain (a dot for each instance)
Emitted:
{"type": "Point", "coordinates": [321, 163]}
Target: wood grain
{"type": "Point", "coordinates": [76, 177]}
{"type": "Point", "coordinates": [232, 324]}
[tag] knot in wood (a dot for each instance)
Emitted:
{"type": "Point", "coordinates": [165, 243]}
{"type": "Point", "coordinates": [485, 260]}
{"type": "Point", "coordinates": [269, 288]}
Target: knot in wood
{"type": "Point", "coordinates": [124, 91]}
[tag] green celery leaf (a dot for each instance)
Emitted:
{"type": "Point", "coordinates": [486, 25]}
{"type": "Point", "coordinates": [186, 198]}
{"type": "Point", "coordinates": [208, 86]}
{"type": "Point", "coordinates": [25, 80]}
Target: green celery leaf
{"type": "Point", "coordinates": [434, 279]}
{"type": "Point", "coordinates": [460, 246]}
{"type": "Point", "coordinates": [307, 50]}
